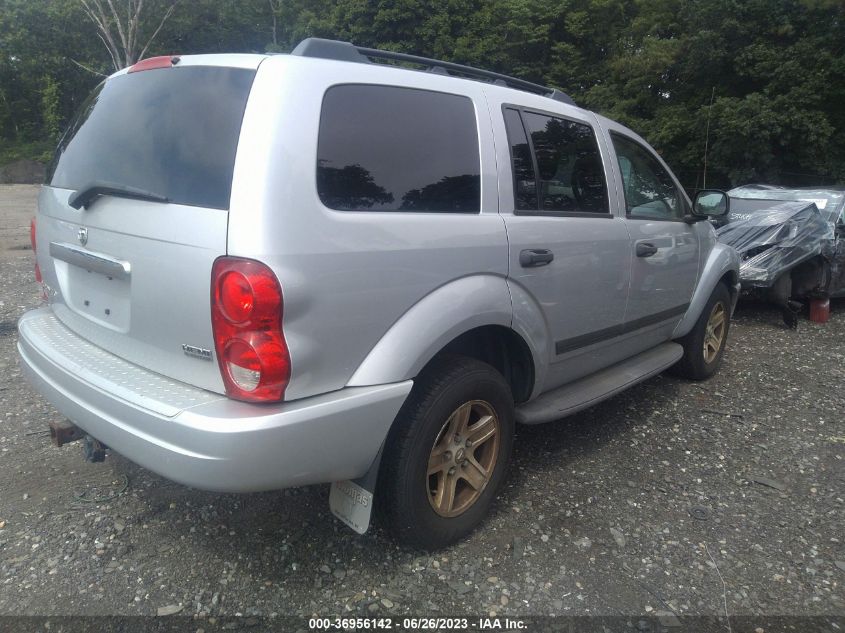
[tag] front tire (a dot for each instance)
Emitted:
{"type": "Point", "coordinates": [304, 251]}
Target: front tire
{"type": "Point", "coordinates": [704, 346]}
{"type": "Point", "coordinates": [447, 453]}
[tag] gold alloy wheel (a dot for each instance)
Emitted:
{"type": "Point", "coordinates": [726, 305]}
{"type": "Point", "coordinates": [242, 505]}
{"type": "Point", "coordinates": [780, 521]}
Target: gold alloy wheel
{"type": "Point", "coordinates": [714, 334]}
{"type": "Point", "coordinates": [462, 458]}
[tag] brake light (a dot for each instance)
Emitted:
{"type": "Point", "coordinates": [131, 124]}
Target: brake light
{"type": "Point", "coordinates": [163, 61]}
{"type": "Point", "coordinates": [246, 317]}
{"type": "Point", "coordinates": [34, 250]}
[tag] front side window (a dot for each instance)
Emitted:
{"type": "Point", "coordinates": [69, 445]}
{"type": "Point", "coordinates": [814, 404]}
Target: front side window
{"type": "Point", "coordinates": [650, 192]}
{"type": "Point", "coordinates": [384, 148]}
{"type": "Point", "coordinates": [566, 160]}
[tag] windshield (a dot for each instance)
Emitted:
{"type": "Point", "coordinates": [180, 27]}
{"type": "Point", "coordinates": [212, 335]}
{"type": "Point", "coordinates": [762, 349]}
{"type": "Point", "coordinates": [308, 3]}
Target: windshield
{"type": "Point", "coordinates": [170, 131]}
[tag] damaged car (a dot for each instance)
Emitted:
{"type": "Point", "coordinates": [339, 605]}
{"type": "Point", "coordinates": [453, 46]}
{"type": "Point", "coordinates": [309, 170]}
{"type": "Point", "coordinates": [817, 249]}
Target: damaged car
{"type": "Point", "coordinates": [790, 243]}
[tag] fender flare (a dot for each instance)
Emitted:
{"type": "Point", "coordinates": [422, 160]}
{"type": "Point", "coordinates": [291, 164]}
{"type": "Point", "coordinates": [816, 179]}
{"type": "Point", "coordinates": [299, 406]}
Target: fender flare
{"type": "Point", "coordinates": [433, 322]}
{"type": "Point", "coordinates": [722, 259]}
{"type": "Point", "coordinates": [530, 323]}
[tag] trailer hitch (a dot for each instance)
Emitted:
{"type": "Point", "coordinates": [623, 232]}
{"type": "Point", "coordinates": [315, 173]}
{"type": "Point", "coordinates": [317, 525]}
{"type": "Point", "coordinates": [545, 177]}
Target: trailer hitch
{"type": "Point", "coordinates": [65, 432]}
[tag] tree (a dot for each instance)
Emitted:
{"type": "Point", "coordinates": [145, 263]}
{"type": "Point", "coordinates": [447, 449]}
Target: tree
{"type": "Point", "coordinates": [121, 35]}
{"type": "Point", "coordinates": [776, 70]}
{"type": "Point", "coordinates": [50, 115]}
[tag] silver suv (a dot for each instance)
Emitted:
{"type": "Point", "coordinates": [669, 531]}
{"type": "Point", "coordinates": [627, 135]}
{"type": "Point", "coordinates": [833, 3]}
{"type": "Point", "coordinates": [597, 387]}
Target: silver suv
{"type": "Point", "coordinates": [272, 271]}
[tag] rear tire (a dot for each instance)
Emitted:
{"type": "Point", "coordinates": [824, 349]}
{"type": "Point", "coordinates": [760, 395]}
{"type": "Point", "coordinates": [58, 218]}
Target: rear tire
{"type": "Point", "coordinates": [434, 489]}
{"type": "Point", "coordinates": [705, 343]}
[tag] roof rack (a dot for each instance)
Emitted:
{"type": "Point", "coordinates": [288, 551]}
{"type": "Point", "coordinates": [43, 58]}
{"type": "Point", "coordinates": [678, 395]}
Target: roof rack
{"type": "Point", "coordinates": [348, 52]}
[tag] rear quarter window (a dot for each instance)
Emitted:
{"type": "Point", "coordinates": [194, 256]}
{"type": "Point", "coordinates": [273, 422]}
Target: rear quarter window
{"type": "Point", "coordinates": [384, 148]}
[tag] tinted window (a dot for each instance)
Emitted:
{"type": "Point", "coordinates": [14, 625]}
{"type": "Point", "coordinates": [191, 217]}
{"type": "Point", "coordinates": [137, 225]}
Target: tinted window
{"type": "Point", "coordinates": [650, 192]}
{"type": "Point", "coordinates": [569, 168]}
{"type": "Point", "coordinates": [525, 186]}
{"type": "Point", "coordinates": [171, 131]}
{"type": "Point", "coordinates": [383, 148]}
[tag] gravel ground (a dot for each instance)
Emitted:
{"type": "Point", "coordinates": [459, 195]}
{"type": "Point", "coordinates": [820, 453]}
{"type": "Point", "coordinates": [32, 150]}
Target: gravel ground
{"type": "Point", "coordinates": [643, 504]}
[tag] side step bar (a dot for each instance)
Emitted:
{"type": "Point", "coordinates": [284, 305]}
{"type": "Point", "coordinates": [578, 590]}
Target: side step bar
{"type": "Point", "coordinates": [599, 386]}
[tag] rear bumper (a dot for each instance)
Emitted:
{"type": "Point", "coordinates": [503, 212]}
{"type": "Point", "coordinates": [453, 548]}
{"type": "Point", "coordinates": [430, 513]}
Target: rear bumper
{"type": "Point", "coordinates": [199, 438]}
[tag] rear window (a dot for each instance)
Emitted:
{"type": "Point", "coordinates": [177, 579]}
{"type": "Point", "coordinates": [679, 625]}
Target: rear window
{"type": "Point", "coordinates": [384, 148]}
{"type": "Point", "coordinates": [170, 131]}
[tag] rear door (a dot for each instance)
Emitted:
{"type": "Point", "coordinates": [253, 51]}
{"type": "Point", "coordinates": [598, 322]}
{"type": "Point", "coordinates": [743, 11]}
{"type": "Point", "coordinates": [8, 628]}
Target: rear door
{"type": "Point", "coordinates": [567, 249]}
{"type": "Point", "coordinates": [131, 272]}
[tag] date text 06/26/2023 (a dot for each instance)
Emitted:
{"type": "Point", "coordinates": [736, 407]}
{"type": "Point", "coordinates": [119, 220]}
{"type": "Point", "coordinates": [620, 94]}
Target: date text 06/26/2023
{"type": "Point", "coordinates": [416, 624]}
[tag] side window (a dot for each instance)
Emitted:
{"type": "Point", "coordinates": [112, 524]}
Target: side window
{"type": "Point", "coordinates": [650, 192]}
{"type": "Point", "coordinates": [384, 148]}
{"type": "Point", "coordinates": [525, 186]}
{"type": "Point", "coordinates": [565, 162]}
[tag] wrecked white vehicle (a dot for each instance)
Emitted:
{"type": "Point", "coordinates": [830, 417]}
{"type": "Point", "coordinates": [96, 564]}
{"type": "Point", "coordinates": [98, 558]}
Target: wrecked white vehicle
{"type": "Point", "coordinates": [791, 243]}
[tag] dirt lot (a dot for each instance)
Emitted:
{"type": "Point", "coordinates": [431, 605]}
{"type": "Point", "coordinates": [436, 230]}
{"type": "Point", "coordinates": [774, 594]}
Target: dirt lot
{"type": "Point", "coordinates": [646, 503]}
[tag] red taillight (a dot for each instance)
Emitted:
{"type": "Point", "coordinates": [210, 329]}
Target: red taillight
{"type": "Point", "coordinates": [164, 61]}
{"type": "Point", "coordinates": [32, 241]}
{"type": "Point", "coordinates": [246, 316]}
{"type": "Point", "coordinates": [236, 297]}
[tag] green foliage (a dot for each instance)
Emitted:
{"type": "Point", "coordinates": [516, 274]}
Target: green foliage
{"type": "Point", "coordinates": [775, 68]}
{"type": "Point", "coordinates": [50, 109]}
{"type": "Point", "coordinates": [40, 151]}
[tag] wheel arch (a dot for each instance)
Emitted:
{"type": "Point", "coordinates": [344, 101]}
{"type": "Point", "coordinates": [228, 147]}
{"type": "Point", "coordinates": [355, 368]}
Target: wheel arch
{"type": "Point", "coordinates": [503, 349]}
{"type": "Point", "coordinates": [722, 266]}
{"type": "Point", "coordinates": [731, 280]}
{"type": "Point", "coordinates": [471, 316]}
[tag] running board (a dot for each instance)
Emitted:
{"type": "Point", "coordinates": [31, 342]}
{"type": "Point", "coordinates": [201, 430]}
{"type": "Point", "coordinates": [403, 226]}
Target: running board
{"type": "Point", "coordinates": [599, 386]}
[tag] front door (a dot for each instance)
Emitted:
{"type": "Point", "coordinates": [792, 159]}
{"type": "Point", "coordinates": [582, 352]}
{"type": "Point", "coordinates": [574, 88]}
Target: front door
{"type": "Point", "coordinates": [664, 248]}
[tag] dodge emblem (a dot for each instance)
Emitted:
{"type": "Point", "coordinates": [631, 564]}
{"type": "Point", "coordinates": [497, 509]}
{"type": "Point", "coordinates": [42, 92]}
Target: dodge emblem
{"type": "Point", "coordinates": [82, 234]}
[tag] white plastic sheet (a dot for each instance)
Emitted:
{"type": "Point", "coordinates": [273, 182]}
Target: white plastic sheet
{"type": "Point", "coordinates": [773, 240]}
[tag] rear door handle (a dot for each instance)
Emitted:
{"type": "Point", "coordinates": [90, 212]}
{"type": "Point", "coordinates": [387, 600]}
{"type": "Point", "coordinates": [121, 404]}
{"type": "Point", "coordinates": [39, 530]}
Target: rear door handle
{"type": "Point", "coordinates": [533, 257]}
{"type": "Point", "coordinates": [646, 249]}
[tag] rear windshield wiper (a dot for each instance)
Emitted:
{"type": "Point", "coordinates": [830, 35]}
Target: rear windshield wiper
{"type": "Point", "coordinates": [83, 196]}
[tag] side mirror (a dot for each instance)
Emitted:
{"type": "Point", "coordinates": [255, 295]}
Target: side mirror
{"type": "Point", "coordinates": [711, 203]}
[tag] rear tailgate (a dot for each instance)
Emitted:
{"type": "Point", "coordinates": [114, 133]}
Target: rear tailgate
{"type": "Point", "coordinates": [132, 275]}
